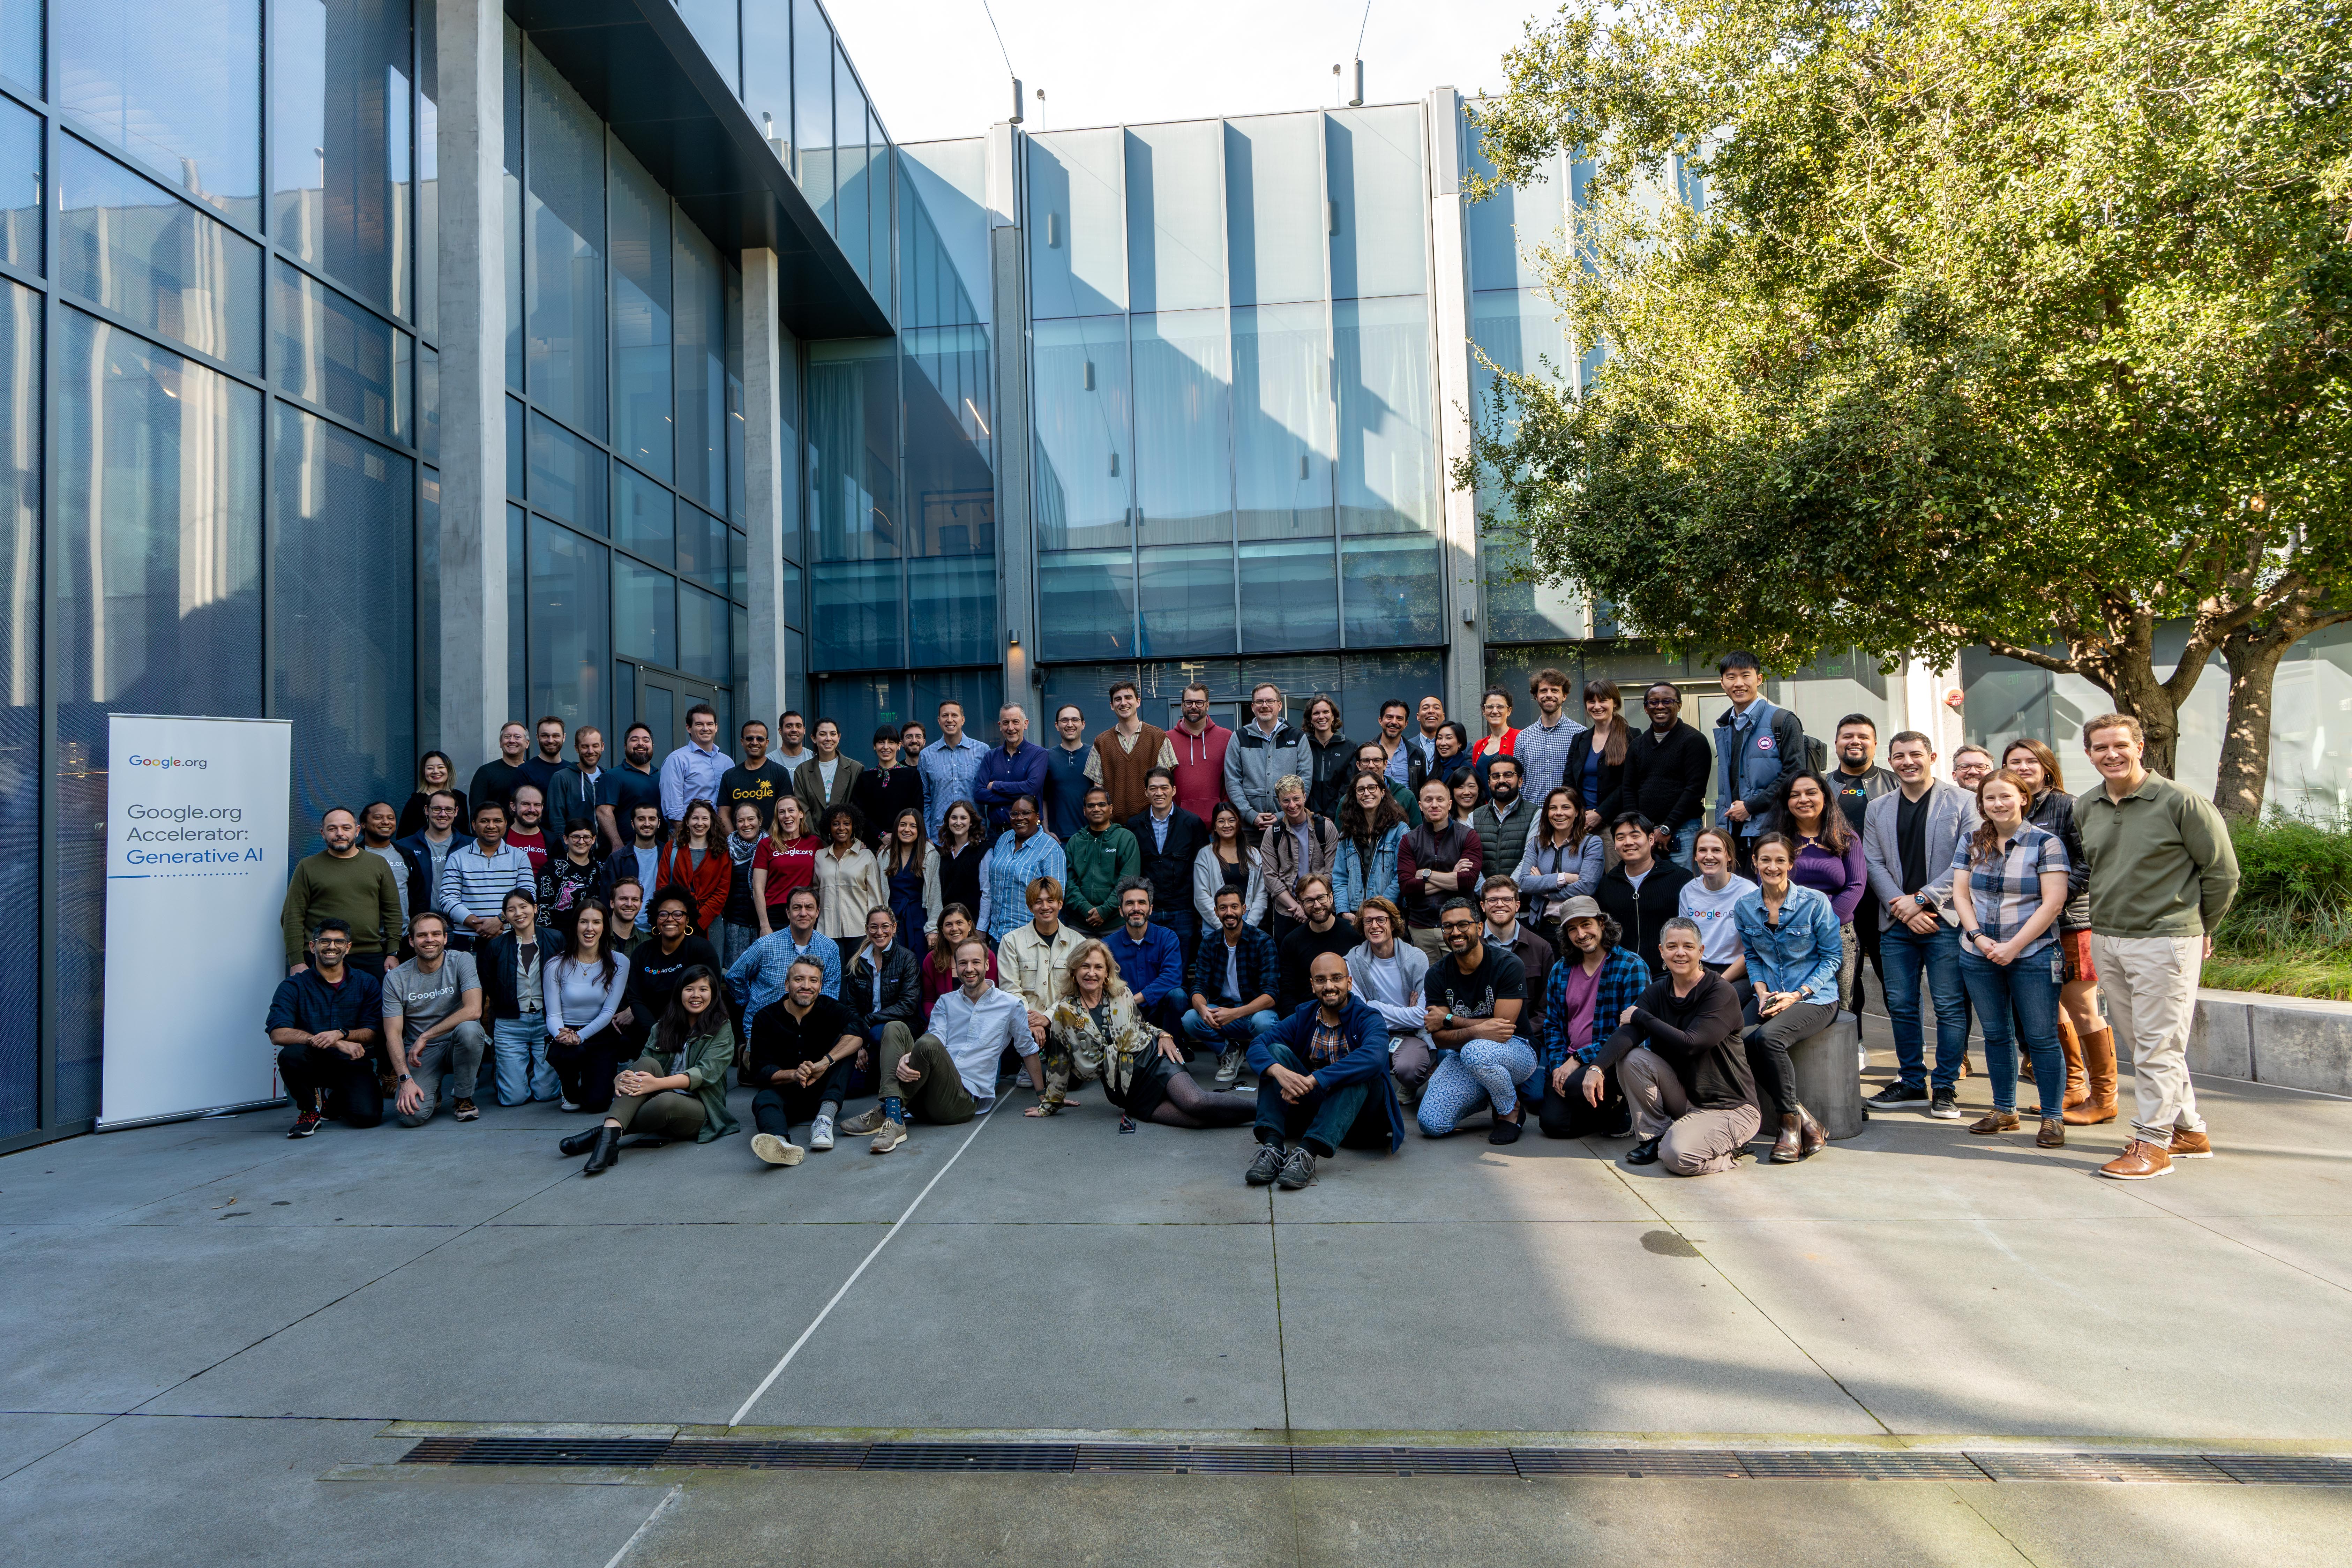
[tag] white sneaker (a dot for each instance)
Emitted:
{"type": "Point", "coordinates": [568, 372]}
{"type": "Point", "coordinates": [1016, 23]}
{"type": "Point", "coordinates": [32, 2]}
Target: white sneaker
{"type": "Point", "coordinates": [568, 1105]}
{"type": "Point", "coordinates": [821, 1133]}
{"type": "Point", "coordinates": [775, 1151]}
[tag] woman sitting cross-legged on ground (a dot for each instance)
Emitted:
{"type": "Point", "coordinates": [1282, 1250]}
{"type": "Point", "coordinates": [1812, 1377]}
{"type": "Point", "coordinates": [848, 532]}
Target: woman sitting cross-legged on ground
{"type": "Point", "coordinates": [678, 1088]}
{"type": "Point", "coordinates": [1788, 935]}
{"type": "Point", "coordinates": [1096, 1027]}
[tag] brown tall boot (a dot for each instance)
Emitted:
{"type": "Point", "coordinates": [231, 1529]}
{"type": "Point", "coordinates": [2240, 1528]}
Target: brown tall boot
{"type": "Point", "coordinates": [2077, 1089]}
{"type": "Point", "coordinates": [2099, 1063]}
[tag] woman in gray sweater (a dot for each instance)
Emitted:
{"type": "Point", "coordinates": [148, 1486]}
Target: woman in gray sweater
{"type": "Point", "coordinates": [582, 990]}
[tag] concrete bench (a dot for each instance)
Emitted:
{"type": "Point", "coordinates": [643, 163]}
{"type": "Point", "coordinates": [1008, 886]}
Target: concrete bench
{"type": "Point", "coordinates": [1827, 1079]}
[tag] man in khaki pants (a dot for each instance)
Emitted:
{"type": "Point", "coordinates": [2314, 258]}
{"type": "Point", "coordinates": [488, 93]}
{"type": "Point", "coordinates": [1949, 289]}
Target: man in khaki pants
{"type": "Point", "coordinates": [2162, 876]}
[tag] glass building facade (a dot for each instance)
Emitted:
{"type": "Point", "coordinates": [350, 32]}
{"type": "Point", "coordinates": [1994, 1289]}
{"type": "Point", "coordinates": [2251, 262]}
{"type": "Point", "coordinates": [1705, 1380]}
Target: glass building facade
{"type": "Point", "coordinates": [786, 415]}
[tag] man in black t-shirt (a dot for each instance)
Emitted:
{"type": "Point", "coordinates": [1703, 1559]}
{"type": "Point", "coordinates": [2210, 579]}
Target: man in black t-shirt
{"type": "Point", "coordinates": [1478, 997]}
{"type": "Point", "coordinates": [1322, 931]}
{"type": "Point", "coordinates": [803, 1046]}
{"type": "Point", "coordinates": [757, 780]}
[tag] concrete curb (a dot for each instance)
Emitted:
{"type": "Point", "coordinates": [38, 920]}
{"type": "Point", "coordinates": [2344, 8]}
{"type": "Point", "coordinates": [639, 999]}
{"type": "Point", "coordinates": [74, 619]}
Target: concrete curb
{"type": "Point", "coordinates": [2292, 1041]}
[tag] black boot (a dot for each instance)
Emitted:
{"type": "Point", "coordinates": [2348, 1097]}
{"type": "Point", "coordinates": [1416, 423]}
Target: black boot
{"type": "Point", "coordinates": [1645, 1153]}
{"type": "Point", "coordinates": [580, 1143]}
{"type": "Point", "coordinates": [607, 1153]}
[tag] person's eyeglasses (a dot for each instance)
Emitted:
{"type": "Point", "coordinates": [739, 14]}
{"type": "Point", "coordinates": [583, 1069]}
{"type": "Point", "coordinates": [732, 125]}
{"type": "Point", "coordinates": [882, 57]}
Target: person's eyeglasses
{"type": "Point", "coordinates": [669, 915]}
{"type": "Point", "coordinates": [1458, 925]}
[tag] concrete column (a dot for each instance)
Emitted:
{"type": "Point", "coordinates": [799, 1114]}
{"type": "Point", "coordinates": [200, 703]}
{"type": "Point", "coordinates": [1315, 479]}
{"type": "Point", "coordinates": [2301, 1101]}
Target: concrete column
{"type": "Point", "coordinates": [1016, 538]}
{"type": "Point", "coordinates": [473, 304]}
{"type": "Point", "coordinates": [1465, 665]}
{"type": "Point", "coordinates": [771, 480]}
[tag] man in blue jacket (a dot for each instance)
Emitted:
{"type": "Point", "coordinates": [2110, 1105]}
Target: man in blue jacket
{"type": "Point", "coordinates": [1323, 1078]}
{"type": "Point", "coordinates": [1149, 958]}
{"type": "Point", "coordinates": [1759, 748]}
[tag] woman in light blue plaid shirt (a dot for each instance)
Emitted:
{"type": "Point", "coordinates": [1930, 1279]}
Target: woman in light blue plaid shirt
{"type": "Point", "coordinates": [2008, 887]}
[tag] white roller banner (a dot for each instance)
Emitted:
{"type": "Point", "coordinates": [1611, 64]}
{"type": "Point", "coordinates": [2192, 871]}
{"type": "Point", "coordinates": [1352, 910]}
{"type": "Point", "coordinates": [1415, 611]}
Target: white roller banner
{"type": "Point", "coordinates": [196, 866]}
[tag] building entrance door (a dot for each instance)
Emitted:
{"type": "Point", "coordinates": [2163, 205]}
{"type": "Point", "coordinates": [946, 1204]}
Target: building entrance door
{"type": "Point", "coordinates": [663, 700]}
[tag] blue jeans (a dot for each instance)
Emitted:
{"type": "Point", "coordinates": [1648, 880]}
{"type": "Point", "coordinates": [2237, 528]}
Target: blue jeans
{"type": "Point", "coordinates": [1321, 1121]}
{"type": "Point", "coordinates": [1906, 956]}
{"type": "Point", "coordinates": [1198, 1030]}
{"type": "Point", "coordinates": [519, 1048]}
{"type": "Point", "coordinates": [2019, 1000]}
{"type": "Point", "coordinates": [1687, 841]}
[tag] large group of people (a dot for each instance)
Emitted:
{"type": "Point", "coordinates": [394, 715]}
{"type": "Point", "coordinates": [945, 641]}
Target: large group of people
{"type": "Point", "coordinates": [1539, 925]}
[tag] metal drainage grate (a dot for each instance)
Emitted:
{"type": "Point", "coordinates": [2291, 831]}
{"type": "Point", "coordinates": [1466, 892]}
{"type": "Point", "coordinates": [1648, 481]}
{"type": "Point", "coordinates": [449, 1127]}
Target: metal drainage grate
{"type": "Point", "coordinates": [1284, 1459]}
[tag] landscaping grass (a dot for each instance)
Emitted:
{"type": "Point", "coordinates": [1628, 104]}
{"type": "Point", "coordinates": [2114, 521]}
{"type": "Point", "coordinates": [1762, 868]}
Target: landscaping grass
{"type": "Point", "coordinates": [2291, 931]}
{"type": "Point", "coordinates": [2321, 975]}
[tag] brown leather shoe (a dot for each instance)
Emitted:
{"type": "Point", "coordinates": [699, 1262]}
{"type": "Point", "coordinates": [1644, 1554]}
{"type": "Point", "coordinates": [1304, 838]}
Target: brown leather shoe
{"type": "Point", "coordinates": [2139, 1161]}
{"type": "Point", "coordinates": [1789, 1148]}
{"type": "Point", "coordinates": [2099, 1063]}
{"type": "Point", "coordinates": [2053, 1134]}
{"type": "Point", "coordinates": [2190, 1146]}
{"type": "Point", "coordinates": [1816, 1138]}
{"type": "Point", "coordinates": [1995, 1121]}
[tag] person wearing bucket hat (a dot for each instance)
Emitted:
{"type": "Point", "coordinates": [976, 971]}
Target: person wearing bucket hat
{"type": "Point", "coordinates": [1589, 987]}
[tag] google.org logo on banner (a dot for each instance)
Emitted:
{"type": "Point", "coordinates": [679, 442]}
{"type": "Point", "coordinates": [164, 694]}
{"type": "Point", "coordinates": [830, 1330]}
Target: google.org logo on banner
{"type": "Point", "coordinates": [199, 764]}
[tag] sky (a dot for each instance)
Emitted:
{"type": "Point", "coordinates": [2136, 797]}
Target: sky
{"type": "Point", "coordinates": [934, 69]}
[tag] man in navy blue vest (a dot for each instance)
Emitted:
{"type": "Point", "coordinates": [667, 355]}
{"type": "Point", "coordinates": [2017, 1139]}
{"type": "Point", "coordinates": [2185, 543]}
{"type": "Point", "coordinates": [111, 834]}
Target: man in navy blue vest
{"type": "Point", "coordinates": [1758, 749]}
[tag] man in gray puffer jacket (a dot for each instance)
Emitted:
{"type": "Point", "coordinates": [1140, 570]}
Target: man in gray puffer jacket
{"type": "Point", "coordinates": [1264, 752]}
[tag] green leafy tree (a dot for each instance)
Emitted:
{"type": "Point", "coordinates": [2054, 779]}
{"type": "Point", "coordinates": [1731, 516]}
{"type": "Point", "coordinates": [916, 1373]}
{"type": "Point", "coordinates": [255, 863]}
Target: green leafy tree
{"type": "Point", "coordinates": [2018, 324]}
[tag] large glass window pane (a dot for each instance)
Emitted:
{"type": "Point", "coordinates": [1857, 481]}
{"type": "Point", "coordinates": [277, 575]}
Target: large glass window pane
{"type": "Point", "coordinates": [20, 715]}
{"type": "Point", "coordinates": [1183, 463]}
{"type": "Point", "coordinates": [20, 43]}
{"type": "Point", "coordinates": [813, 104]}
{"type": "Point", "coordinates": [951, 487]}
{"type": "Point", "coordinates": [510, 73]}
{"type": "Point", "coordinates": [768, 73]}
{"type": "Point", "coordinates": [878, 165]}
{"type": "Point", "coordinates": [177, 86]}
{"type": "Point", "coordinates": [155, 600]}
{"type": "Point", "coordinates": [1187, 595]}
{"type": "Point", "coordinates": [850, 206]}
{"type": "Point", "coordinates": [943, 269]}
{"type": "Point", "coordinates": [564, 291]}
{"type": "Point", "coordinates": [571, 651]}
{"type": "Point", "coordinates": [853, 406]}
{"type": "Point", "coordinates": [703, 644]}
{"type": "Point", "coordinates": [1393, 591]}
{"type": "Point", "coordinates": [347, 360]}
{"type": "Point", "coordinates": [857, 614]}
{"type": "Point", "coordinates": [429, 172]}
{"type": "Point", "coordinates": [518, 613]}
{"type": "Point", "coordinates": [1174, 260]}
{"type": "Point", "coordinates": [1084, 458]}
{"type": "Point", "coordinates": [338, 95]}
{"type": "Point", "coordinates": [1282, 422]}
{"type": "Point", "coordinates": [644, 613]}
{"type": "Point", "coordinates": [701, 362]}
{"type": "Point", "coordinates": [1275, 216]}
{"type": "Point", "coordinates": [429, 602]}
{"type": "Point", "coordinates": [702, 548]}
{"type": "Point", "coordinates": [951, 610]}
{"type": "Point", "coordinates": [739, 565]}
{"type": "Point", "coordinates": [1508, 223]}
{"type": "Point", "coordinates": [567, 475]}
{"type": "Point", "coordinates": [1078, 224]}
{"type": "Point", "coordinates": [1388, 444]}
{"type": "Point", "coordinates": [20, 186]}
{"type": "Point", "coordinates": [1379, 208]}
{"type": "Point", "coordinates": [713, 25]}
{"type": "Point", "coordinates": [342, 613]}
{"type": "Point", "coordinates": [1518, 330]}
{"type": "Point", "coordinates": [150, 258]}
{"type": "Point", "coordinates": [428, 404]}
{"type": "Point", "coordinates": [1086, 604]}
{"type": "Point", "coordinates": [732, 421]}
{"type": "Point", "coordinates": [1291, 596]}
{"type": "Point", "coordinates": [641, 333]}
{"type": "Point", "coordinates": [516, 449]}
{"type": "Point", "coordinates": [1368, 681]}
{"type": "Point", "coordinates": [643, 516]}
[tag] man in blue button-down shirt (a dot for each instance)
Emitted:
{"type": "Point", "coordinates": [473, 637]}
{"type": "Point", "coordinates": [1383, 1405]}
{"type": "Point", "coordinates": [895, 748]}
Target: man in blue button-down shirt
{"type": "Point", "coordinates": [949, 767]}
{"type": "Point", "coordinates": [1010, 771]}
{"type": "Point", "coordinates": [760, 975]}
{"type": "Point", "coordinates": [692, 772]}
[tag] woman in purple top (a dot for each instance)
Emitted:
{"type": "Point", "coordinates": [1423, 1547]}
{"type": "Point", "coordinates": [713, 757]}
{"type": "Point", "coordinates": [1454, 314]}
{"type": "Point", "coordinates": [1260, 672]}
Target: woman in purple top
{"type": "Point", "coordinates": [1829, 856]}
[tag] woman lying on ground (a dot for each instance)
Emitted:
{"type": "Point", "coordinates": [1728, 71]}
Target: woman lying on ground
{"type": "Point", "coordinates": [1096, 1027]}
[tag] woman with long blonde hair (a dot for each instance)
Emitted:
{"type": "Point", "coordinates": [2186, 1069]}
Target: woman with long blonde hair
{"type": "Point", "coordinates": [1096, 1028]}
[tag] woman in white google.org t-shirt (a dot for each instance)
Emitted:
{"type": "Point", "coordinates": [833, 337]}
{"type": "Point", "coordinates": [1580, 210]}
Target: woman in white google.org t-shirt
{"type": "Point", "coordinates": [1707, 900]}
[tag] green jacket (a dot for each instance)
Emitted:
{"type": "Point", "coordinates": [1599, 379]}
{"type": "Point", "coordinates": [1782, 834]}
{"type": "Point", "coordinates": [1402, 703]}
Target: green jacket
{"type": "Point", "coordinates": [705, 1061]}
{"type": "Point", "coordinates": [2161, 859]}
{"type": "Point", "coordinates": [1099, 862]}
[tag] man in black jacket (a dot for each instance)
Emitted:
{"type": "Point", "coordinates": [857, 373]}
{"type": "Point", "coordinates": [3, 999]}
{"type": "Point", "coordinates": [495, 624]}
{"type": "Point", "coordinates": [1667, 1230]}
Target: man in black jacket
{"type": "Point", "coordinates": [513, 970]}
{"type": "Point", "coordinates": [1666, 768]}
{"type": "Point", "coordinates": [884, 986]}
{"type": "Point", "coordinates": [1642, 894]}
{"type": "Point", "coordinates": [1171, 838]}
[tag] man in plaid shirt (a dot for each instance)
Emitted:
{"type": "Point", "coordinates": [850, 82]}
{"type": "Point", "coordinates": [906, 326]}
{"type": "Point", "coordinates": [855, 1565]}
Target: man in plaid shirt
{"type": "Point", "coordinates": [1591, 986]}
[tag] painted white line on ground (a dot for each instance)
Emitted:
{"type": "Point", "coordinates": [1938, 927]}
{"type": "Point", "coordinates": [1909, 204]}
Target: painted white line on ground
{"type": "Point", "coordinates": [778, 1370]}
{"type": "Point", "coordinates": [660, 1509]}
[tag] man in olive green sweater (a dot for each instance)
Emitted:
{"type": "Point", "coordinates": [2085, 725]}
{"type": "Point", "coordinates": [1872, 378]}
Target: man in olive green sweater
{"type": "Point", "coordinates": [345, 881]}
{"type": "Point", "coordinates": [2162, 875]}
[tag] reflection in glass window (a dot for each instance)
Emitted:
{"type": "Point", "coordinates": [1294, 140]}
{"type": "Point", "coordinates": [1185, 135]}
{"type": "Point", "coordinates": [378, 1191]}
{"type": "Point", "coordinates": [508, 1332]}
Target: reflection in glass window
{"type": "Point", "coordinates": [1282, 422]}
{"type": "Point", "coordinates": [567, 475]}
{"type": "Point", "coordinates": [712, 22]}
{"type": "Point", "coordinates": [510, 202]}
{"type": "Point", "coordinates": [153, 259]}
{"type": "Point", "coordinates": [813, 104]}
{"type": "Point", "coordinates": [1275, 215]}
{"type": "Point", "coordinates": [1290, 596]}
{"type": "Point", "coordinates": [853, 405]}
{"type": "Point", "coordinates": [515, 449]}
{"type": "Point", "coordinates": [951, 489]}
{"type": "Point", "coordinates": [768, 73]}
{"type": "Point", "coordinates": [347, 360]}
{"type": "Point", "coordinates": [943, 269]}
{"type": "Point", "coordinates": [1393, 591]}
{"type": "Point", "coordinates": [1186, 593]}
{"type": "Point", "coordinates": [644, 517]}
{"type": "Point", "coordinates": [338, 142]}
{"type": "Point", "coordinates": [1388, 443]}
{"type": "Point", "coordinates": [518, 613]}
{"type": "Point", "coordinates": [702, 547]}
{"type": "Point", "coordinates": [1379, 237]}
{"type": "Point", "coordinates": [20, 43]}
{"type": "Point", "coordinates": [853, 196]}
{"type": "Point", "coordinates": [20, 180]}
{"type": "Point", "coordinates": [1183, 463]}
{"type": "Point", "coordinates": [429, 404]}
{"type": "Point", "coordinates": [20, 675]}
{"type": "Point", "coordinates": [855, 611]}
{"type": "Point", "coordinates": [701, 367]}
{"type": "Point", "coordinates": [1084, 459]}
{"type": "Point", "coordinates": [877, 228]}
{"type": "Point", "coordinates": [1512, 222]}
{"type": "Point", "coordinates": [176, 86]}
{"type": "Point", "coordinates": [343, 609]}
{"type": "Point", "coordinates": [570, 662]}
{"type": "Point", "coordinates": [731, 420]}
{"type": "Point", "coordinates": [644, 613]}
{"type": "Point", "coordinates": [1086, 604]}
{"type": "Point", "coordinates": [428, 172]}
{"type": "Point", "coordinates": [1078, 224]}
{"type": "Point", "coordinates": [565, 291]}
{"type": "Point", "coordinates": [951, 610]}
{"type": "Point", "coordinates": [1173, 259]}
{"type": "Point", "coordinates": [641, 329]}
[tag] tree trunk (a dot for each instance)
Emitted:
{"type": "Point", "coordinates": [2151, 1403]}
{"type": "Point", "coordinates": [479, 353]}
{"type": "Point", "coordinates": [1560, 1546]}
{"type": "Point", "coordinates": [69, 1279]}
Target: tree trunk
{"type": "Point", "coordinates": [2254, 652]}
{"type": "Point", "coordinates": [2121, 661]}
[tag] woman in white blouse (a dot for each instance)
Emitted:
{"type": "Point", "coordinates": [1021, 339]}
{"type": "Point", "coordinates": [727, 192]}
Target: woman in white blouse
{"type": "Point", "coordinates": [849, 880]}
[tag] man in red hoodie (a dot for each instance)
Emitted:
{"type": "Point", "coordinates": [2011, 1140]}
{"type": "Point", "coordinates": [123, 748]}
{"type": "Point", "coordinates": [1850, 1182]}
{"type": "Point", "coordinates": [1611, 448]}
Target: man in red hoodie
{"type": "Point", "coordinates": [1199, 743]}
